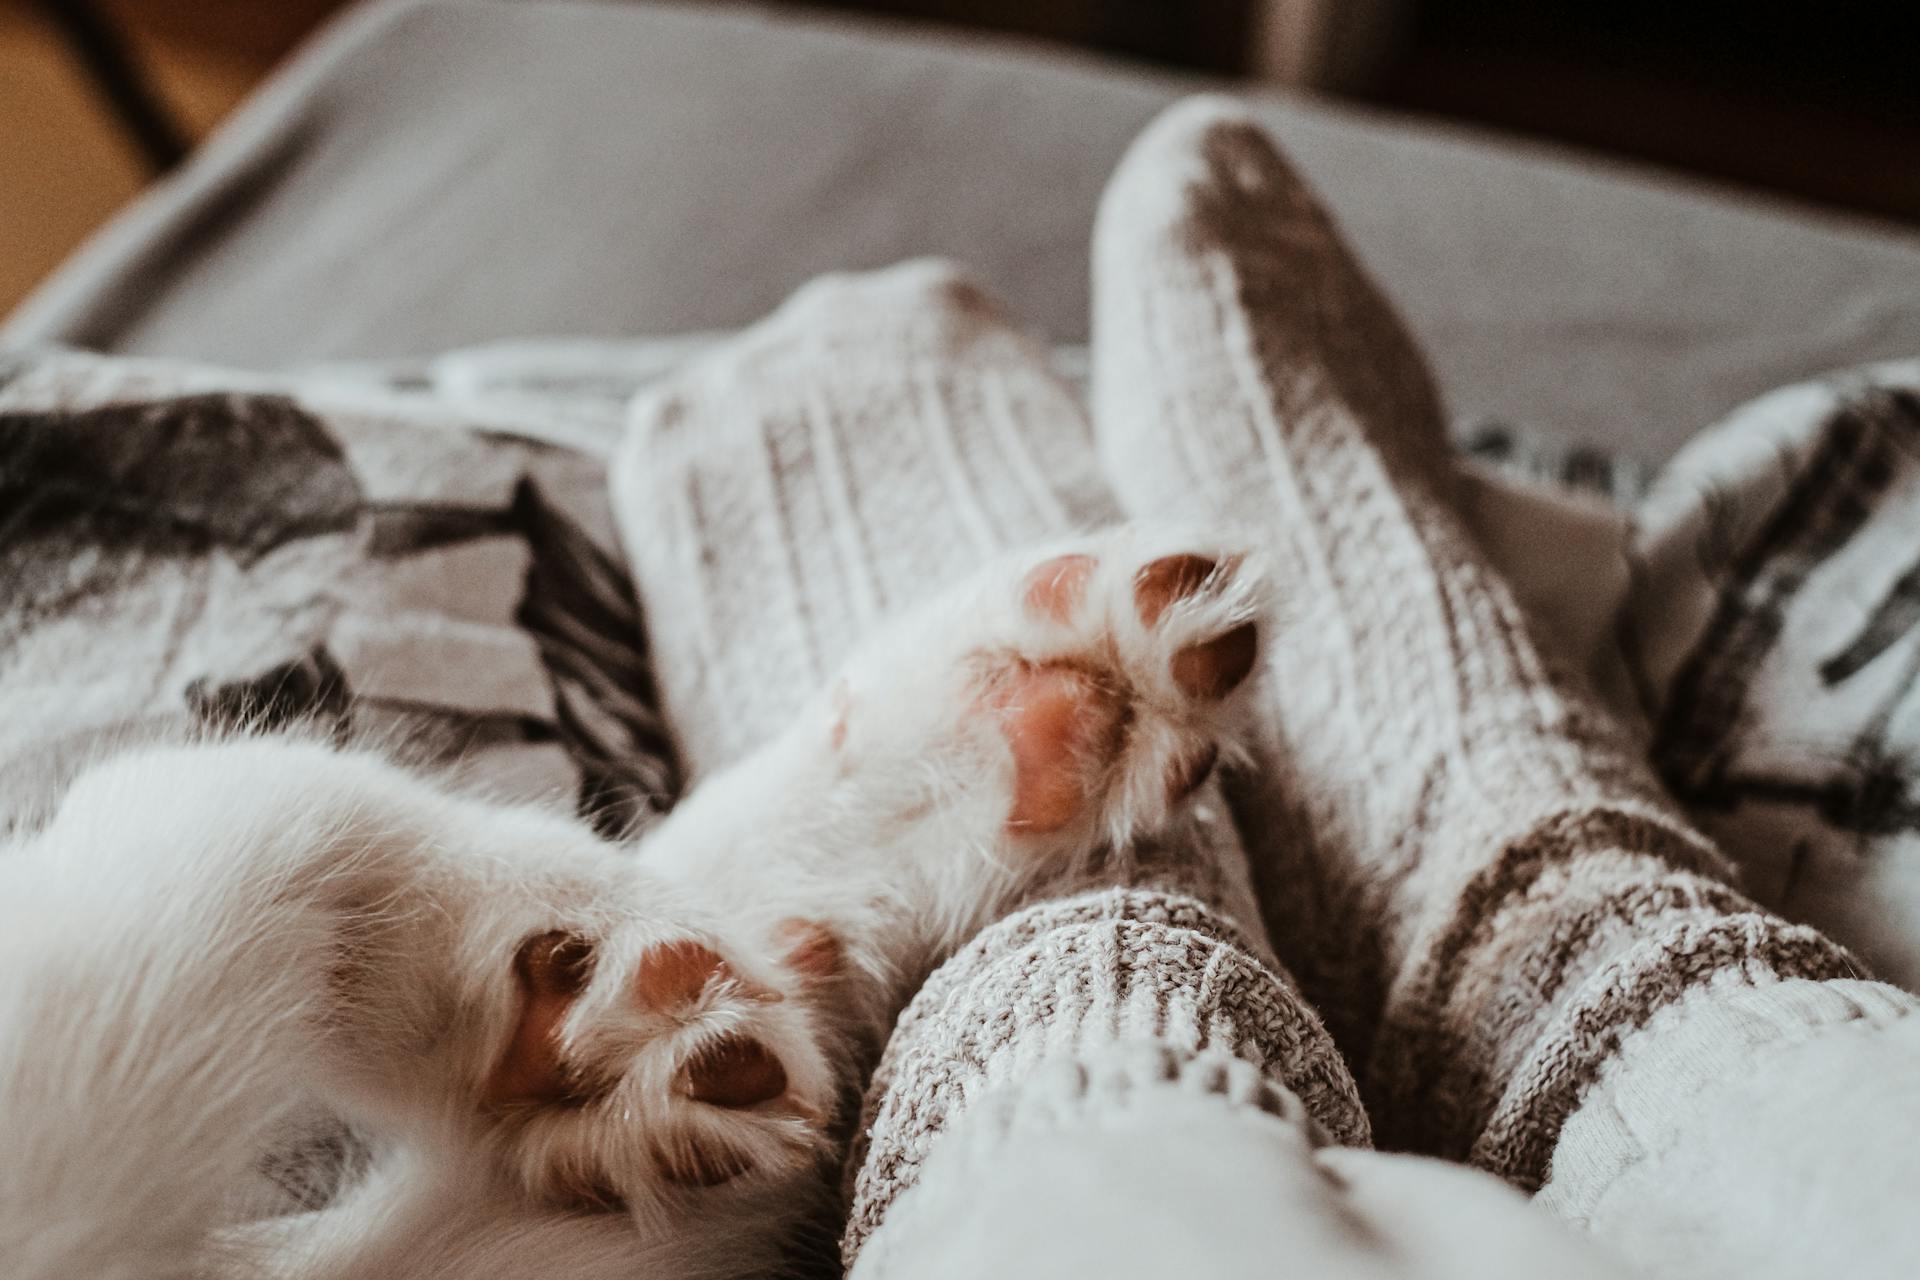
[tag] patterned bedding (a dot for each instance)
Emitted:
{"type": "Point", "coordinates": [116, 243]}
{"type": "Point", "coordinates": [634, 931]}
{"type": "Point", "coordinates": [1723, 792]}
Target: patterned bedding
{"type": "Point", "coordinates": [182, 550]}
{"type": "Point", "coordinates": [421, 554]}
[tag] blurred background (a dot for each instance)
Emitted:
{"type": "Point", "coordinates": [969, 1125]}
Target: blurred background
{"type": "Point", "coordinates": [1815, 101]}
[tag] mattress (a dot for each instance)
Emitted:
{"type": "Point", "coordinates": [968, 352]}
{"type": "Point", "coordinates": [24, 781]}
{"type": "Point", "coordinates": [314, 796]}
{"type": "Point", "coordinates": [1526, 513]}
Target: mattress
{"type": "Point", "coordinates": [436, 173]}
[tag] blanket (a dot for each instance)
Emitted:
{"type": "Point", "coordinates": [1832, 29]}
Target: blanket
{"type": "Point", "coordinates": [421, 554]}
{"type": "Point", "coordinates": [183, 550]}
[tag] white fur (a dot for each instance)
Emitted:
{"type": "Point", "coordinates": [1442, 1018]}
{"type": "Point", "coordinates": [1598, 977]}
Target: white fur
{"type": "Point", "coordinates": [207, 940]}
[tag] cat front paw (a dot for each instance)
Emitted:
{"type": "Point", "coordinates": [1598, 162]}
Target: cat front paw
{"type": "Point", "coordinates": [1085, 690]}
{"type": "Point", "coordinates": [1128, 719]}
{"type": "Point", "coordinates": [646, 1064]}
{"type": "Point", "coordinates": [1115, 696]}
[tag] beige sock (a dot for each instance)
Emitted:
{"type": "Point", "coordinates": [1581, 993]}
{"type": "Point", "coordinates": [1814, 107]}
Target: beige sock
{"type": "Point", "coordinates": [1077, 1003]}
{"type": "Point", "coordinates": [1462, 857]}
{"type": "Point", "coordinates": [872, 441]}
{"type": "Point", "coordinates": [867, 444]}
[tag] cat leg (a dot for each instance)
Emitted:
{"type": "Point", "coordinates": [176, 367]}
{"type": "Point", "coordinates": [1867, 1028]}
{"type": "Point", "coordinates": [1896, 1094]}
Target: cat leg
{"type": "Point", "coordinates": [416, 1216]}
{"type": "Point", "coordinates": [205, 940]}
{"type": "Point", "coordinates": [1060, 705]}
{"type": "Point", "coordinates": [161, 1008]}
{"type": "Point", "coordinates": [1009, 731]}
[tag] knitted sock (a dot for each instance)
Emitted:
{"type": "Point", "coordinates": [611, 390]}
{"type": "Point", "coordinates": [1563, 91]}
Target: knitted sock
{"type": "Point", "coordinates": [871, 441]}
{"type": "Point", "coordinates": [876, 438]}
{"type": "Point", "coordinates": [1462, 857]}
{"type": "Point", "coordinates": [1128, 988]}
{"type": "Point", "coordinates": [1138, 1162]}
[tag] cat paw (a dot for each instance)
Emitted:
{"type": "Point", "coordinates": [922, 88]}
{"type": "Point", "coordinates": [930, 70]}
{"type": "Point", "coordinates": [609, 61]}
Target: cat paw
{"type": "Point", "coordinates": [645, 1063]}
{"type": "Point", "coordinates": [1103, 672]}
{"type": "Point", "coordinates": [1114, 697]}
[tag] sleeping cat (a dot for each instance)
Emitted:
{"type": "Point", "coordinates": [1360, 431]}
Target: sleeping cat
{"type": "Point", "coordinates": [537, 1028]}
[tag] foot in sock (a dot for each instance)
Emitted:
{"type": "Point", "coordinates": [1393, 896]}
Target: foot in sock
{"type": "Point", "coordinates": [1465, 861]}
{"type": "Point", "coordinates": [877, 434]}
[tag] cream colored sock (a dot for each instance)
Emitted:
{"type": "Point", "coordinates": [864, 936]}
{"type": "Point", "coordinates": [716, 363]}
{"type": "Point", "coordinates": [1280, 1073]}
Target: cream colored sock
{"type": "Point", "coordinates": [1463, 858]}
{"type": "Point", "coordinates": [1086, 998]}
{"type": "Point", "coordinates": [873, 440]}
{"type": "Point", "coordinates": [867, 444]}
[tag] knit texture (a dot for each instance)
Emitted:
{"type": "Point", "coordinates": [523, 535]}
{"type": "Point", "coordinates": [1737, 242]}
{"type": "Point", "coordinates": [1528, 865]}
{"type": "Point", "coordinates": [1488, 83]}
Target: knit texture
{"type": "Point", "coordinates": [1725, 1030]}
{"type": "Point", "coordinates": [1751, 1130]}
{"type": "Point", "coordinates": [1466, 862]}
{"type": "Point", "coordinates": [1134, 1087]}
{"type": "Point", "coordinates": [875, 439]}
{"type": "Point", "coordinates": [1079, 977]}
{"type": "Point", "coordinates": [866, 445]}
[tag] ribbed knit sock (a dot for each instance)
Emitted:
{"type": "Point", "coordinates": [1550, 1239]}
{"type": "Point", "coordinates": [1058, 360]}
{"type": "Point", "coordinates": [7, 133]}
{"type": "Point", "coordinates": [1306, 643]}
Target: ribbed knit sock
{"type": "Point", "coordinates": [1140, 1161]}
{"type": "Point", "coordinates": [872, 441]}
{"type": "Point", "coordinates": [1136, 986]}
{"type": "Point", "coordinates": [1461, 856]}
{"type": "Point", "coordinates": [866, 445]}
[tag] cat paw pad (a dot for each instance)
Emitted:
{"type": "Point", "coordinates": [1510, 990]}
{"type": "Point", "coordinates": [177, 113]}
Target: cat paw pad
{"type": "Point", "coordinates": [637, 1066]}
{"type": "Point", "coordinates": [1112, 697]}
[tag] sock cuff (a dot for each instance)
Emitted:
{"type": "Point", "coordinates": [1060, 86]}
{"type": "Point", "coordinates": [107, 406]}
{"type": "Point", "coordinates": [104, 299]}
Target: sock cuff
{"type": "Point", "coordinates": [1070, 979]}
{"type": "Point", "coordinates": [1515, 943]}
{"type": "Point", "coordinates": [1156, 906]}
{"type": "Point", "coordinates": [1098, 1087]}
{"type": "Point", "coordinates": [1747, 949]}
{"type": "Point", "coordinates": [1651, 1087]}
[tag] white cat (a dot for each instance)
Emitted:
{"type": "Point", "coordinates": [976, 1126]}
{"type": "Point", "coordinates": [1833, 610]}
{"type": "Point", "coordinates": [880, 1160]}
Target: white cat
{"type": "Point", "coordinates": [207, 940]}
